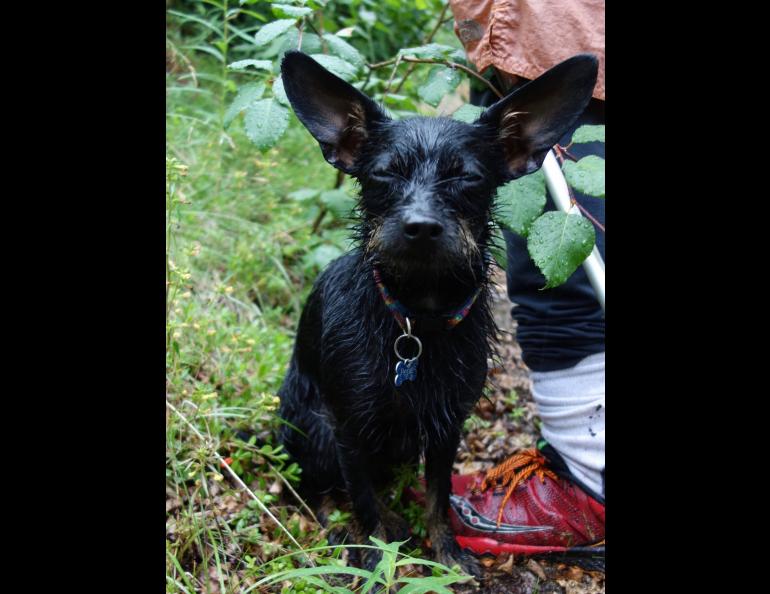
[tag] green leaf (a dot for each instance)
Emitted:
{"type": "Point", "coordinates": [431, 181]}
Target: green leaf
{"type": "Point", "coordinates": [338, 202]}
{"type": "Point", "coordinates": [257, 64]}
{"type": "Point", "coordinates": [520, 202]}
{"type": "Point", "coordinates": [208, 50]}
{"type": "Point", "coordinates": [322, 586]}
{"type": "Point", "coordinates": [265, 122]}
{"type": "Point", "coordinates": [247, 94]}
{"type": "Point", "coordinates": [302, 572]}
{"type": "Point", "coordinates": [587, 175]}
{"type": "Point", "coordinates": [280, 93]}
{"type": "Point", "coordinates": [335, 65]}
{"type": "Point", "coordinates": [285, 10]}
{"type": "Point", "coordinates": [441, 80]}
{"type": "Point", "coordinates": [588, 134]}
{"type": "Point", "coordinates": [369, 17]}
{"type": "Point", "coordinates": [558, 243]}
{"type": "Point", "coordinates": [468, 113]}
{"type": "Point", "coordinates": [398, 101]}
{"type": "Point", "coordinates": [273, 30]}
{"type": "Point", "coordinates": [406, 560]}
{"type": "Point", "coordinates": [340, 47]}
{"type": "Point", "coordinates": [435, 51]}
{"type": "Point", "coordinates": [387, 547]}
{"type": "Point", "coordinates": [423, 585]}
{"type": "Point", "coordinates": [188, 17]}
{"type": "Point", "coordinates": [498, 249]}
{"type": "Point", "coordinates": [304, 194]}
{"type": "Point", "coordinates": [321, 256]}
{"type": "Point", "coordinates": [392, 97]}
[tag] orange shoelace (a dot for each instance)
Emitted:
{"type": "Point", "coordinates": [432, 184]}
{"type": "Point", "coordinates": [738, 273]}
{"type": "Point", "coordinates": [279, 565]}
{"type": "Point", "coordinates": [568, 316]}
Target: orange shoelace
{"type": "Point", "coordinates": [513, 472]}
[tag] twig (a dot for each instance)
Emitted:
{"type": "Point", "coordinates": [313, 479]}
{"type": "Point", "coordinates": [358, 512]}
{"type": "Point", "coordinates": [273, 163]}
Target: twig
{"type": "Point", "coordinates": [409, 71]}
{"type": "Point", "coordinates": [587, 214]}
{"type": "Point", "coordinates": [322, 214]}
{"type": "Point", "coordinates": [238, 480]}
{"type": "Point", "coordinates": [465, 69]}
{"type": "Point", "coordinates": [293, 492]}
{"type": "Point", "coordinates": [301, 27]}
{"type": "Point", "coordinates": [397, 60]}
{"type": "Point", "coordinates": [366, 81]}
{"type": "Point", "coordinates": [448, 63]}
{"type": "Point", "coordinates": [439, 22]}
{"type": "Point", "coordinates": [563, 149]}
{"type": "Point", "coordinates": [392, 74]}
{"type": "Point", "coordinates": [381, 64]}
{"type": "Point", "coordinates": [426, 41]}
{"type": "Point", "coordinates": [318, 219]}
{"type": "Point", "coordinates": [320, 32]}
{"type": "Point", "coordinates": [558, 150]}
{"type": "Point", "coordinates": [324, 49]}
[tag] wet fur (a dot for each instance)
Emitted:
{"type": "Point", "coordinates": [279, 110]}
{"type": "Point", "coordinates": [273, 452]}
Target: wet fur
{"type": "Point", "coordinates": [348, 425]}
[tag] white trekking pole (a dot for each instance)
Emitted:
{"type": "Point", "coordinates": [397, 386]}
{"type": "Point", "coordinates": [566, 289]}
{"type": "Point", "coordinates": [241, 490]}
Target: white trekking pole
{"type": "Point", "coordinates": [557, 186]}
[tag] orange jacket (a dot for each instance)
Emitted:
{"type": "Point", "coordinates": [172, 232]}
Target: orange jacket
{"type": "Point", "coordinates": [527, 37]}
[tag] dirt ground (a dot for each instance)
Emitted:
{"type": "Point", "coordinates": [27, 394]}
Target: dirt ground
{"type": "Point", "coordinates": [513, 425]}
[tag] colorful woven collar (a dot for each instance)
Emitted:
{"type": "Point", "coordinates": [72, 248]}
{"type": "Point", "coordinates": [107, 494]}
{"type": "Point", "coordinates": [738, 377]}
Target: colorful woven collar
{"type": "Point", "coordinates": [400, 312]}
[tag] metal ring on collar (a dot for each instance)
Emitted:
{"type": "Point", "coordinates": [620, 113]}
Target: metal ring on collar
{"type": "Point", "coordinates": [413, 337]}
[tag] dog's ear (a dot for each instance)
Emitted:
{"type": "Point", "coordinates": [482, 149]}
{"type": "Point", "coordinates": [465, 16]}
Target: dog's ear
{"type": "Point", "coordinates": [338, 115]}
{"type": "Point", "coordinates": [532, 119]}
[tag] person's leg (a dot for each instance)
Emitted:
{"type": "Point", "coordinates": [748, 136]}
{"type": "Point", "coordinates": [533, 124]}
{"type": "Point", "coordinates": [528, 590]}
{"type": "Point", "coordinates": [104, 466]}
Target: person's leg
{"type": "Point", "coordinates": [561, 333]}
{"type": "Point", "coordinates": [550, 498]}
{"type": "Point", "coordinates": [570, 403]}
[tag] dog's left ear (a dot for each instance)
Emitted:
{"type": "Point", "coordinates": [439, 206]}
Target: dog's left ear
{"type": "Point", "coordinates": [338, 115]}
{"type": "Point", "coordinates": [532, 119]}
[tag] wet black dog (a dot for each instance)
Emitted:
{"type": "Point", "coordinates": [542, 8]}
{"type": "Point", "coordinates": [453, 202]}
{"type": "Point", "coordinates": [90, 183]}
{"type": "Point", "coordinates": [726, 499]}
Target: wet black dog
{"type": "Point", "coordinates": [427, 188]}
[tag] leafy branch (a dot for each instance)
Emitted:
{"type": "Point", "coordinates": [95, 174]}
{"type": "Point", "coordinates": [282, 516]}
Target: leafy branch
{"type": "Point", "coordinates": [447, 63]}
{"type": "Point", "coordinates": [557, 242]}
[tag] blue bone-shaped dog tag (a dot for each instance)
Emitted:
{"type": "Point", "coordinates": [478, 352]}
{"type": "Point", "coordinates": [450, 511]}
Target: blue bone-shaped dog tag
{"type": "Point", "coordinates": [406, 371]}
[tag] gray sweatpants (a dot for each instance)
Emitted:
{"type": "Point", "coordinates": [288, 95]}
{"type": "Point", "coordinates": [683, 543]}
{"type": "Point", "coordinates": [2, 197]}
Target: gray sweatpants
{"type": "Point", "coordinates": [571, 405]}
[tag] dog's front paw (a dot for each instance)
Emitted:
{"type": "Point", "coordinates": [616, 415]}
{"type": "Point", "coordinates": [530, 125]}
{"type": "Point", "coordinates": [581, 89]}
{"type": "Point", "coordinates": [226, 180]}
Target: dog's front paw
{"type": "Point", "coordinates": [396, 527]}
{"type": "Point", "coordinates": [453, 555]}
{"type": "Point", "coordinates": [370, 558]}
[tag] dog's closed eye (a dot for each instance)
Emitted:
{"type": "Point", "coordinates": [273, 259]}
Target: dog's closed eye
{"type": "Point", "coordinates": [387, 175]}
{"type": "Point", "coordinates": [468, 178]}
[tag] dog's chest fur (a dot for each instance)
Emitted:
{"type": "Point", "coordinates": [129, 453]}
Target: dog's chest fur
{"type": "Point", "coordinates": [345, 343]}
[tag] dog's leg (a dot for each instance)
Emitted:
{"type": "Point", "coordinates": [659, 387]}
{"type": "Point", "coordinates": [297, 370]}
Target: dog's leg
{"type": "Point", "coordinates": [359, 486]}
{"type": "Point", "coordinates": [396, 527]}
{"type": "Point", "coordinates": [438, 471]}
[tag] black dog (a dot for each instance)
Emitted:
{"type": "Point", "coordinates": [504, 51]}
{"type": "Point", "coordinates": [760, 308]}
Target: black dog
{"type": "Point", "coordinates": [427, 188]}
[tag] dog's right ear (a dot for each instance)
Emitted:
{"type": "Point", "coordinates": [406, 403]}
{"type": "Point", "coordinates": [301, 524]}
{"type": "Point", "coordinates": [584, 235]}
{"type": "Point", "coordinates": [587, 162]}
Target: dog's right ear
{"type": "Point", "coordinates": [530, 120]}
{"type": "Point", "coordinates": [338, 115]}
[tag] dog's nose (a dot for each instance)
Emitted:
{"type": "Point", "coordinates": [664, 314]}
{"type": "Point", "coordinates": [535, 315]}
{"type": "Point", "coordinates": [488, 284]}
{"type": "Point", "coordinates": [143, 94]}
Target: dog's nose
{"type": "Point", "coordinates": [421, 228]}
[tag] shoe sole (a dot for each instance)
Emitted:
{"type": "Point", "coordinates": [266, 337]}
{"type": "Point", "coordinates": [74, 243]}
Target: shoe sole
{"type": "Point", "coordinates": [481, 545]}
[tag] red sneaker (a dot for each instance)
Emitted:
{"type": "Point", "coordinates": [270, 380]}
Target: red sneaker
{"type": "Point", "coordinates": [523, 507]}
